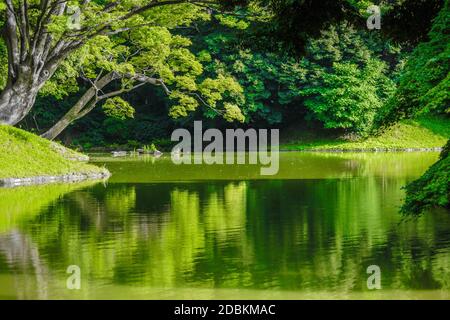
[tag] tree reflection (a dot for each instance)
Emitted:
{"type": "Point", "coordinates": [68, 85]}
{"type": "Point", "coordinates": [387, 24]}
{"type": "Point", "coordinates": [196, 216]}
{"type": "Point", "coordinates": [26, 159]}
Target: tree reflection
{"type": "Point", "coordinates": [300, 235]}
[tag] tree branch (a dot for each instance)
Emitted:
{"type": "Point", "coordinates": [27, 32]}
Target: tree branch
{"type": "Point", "coordinates": [12, 40]}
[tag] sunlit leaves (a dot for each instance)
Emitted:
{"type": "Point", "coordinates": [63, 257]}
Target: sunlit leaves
{"type": "Point", "coordinates": [232, 113]}
{"type": "Point", "coordinates": [133, 47]}
{"type": "Point", "coordinates": [185, 104]}
{"type": "Point", "coordinates": [204, 56]}
{"type": "Point", "coordinates": [213, 89]}
{"type": "Point", "coordinates": [118, 108]}
{"type": "Point", "coordinates": [186, 83]}
{"type": "Point", "coordinates": [232, 22]}
{"type": "Point", "coordinates": [182, 60]}
{"type": "Point", "coordinates": [176, 15]}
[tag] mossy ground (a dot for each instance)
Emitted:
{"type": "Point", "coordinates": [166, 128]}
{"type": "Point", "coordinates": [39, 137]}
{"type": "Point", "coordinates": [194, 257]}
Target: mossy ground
{"type": "Point", "coordinates": [23, 154]}
{"type": "Point", "coordinates": [420, 133]}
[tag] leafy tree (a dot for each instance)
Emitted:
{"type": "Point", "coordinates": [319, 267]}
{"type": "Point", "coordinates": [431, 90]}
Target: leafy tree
{"type": "Point", "coordinates": [349, 78]}
{"type": "Point", "coordinates": [424, 84]}
{"type": "Point", "coordinates": [278, 85]}
{"type": "Point", "coordinates": [257, 72]}
{"type": "Point", "coordinates": [40, 35]}
{"type": "Point", "coordinates": [148, 55]}
{"type": "Point", "coordinates": [349, 97]}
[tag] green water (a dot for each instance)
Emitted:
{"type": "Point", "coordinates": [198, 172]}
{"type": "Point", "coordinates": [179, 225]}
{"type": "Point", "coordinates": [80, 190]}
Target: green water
{"type": "Point", "coordinates": [160, 231]}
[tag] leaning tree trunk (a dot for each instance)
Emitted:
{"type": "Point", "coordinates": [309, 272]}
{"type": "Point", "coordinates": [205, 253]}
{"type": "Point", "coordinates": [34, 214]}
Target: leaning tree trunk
{"type": "Point", "coordinates": [90, 98]}
{"type": "Point", "coordinates": [60, 126]}
{"type": "Point", "coordinates": [83, 106]}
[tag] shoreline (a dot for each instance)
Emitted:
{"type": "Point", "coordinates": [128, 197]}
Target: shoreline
{"type": "Point", "coordinates": [104, 175]}
{"type": "Point", "coordinates": [46, 179]}
{"type": "Point", "coordinates": [325, 150]}
{"type": "Point", "coordinates": [371, 150]}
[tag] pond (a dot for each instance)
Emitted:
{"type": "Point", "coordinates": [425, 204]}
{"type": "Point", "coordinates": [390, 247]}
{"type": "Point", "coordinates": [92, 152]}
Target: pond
{"type": "Point", "coordinates": [157, 230]}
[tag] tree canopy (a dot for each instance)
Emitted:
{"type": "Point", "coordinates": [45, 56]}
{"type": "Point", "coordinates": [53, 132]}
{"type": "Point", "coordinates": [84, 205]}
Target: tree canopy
{"type": "Point", "coordinates": [41, 35]}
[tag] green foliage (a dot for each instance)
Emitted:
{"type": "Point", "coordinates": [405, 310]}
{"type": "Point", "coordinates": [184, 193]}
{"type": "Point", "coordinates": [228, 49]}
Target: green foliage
{"type": "Point", "coordinates": [348, 82]}
{"type": "Point", "coordinates": [424, 89]}
{"type": "Point", "coordinates": [118, 108]}
{"type": "Point", "coordinates": [185, 104]}
{"type": "Point", "coordinates": [257, 73]}
{"type": "Point", "coordinates": [150, 148]}
{"type": "Point", "coordinates": [220, 68]}
{"type": "Point", "coordinates": [228, 63]}
{"type": "Point", "coordinates": [432, 189]}
{"type": "Point", "coordinates": [356, 67]}
{"type": "Point", "coordinates": [232, 112]}
{"type": "Point", "coordinates": [3, 64]}
{"type": "Point", "coordinates": [147, 50]}
{"type": "Point", "coordinates": [349, 97]}
{"type": "Point", "coordinates": [232, 22]}
{"type": "Point", "coordinates": [139, 47]}
{"type": "Point", "coordinates": [424, 84]}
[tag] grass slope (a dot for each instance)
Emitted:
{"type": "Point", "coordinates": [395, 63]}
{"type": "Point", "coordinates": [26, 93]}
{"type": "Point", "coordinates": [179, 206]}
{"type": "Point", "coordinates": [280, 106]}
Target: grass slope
{"type": "Point", "coordinates": [424, 132]}
{"type": "Point", "coordinates": [23, 154]}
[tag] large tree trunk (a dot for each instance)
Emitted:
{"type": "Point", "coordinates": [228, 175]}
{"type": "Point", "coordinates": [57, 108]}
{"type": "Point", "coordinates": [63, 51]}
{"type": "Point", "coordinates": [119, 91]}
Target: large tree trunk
{"type": "Point", "coordinates": [32, 58]}
{"type": "Point", "coordinates": [29, 63]}
{"type": "Point", "coordinates": [16, 100]}
{"type": "Point", "coordinates": [22, 88]}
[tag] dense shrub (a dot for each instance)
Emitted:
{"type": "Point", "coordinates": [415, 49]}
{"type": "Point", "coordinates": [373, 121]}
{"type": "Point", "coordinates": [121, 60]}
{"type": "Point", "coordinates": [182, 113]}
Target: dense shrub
{"type": "Point", "coordinates": [432, 189]}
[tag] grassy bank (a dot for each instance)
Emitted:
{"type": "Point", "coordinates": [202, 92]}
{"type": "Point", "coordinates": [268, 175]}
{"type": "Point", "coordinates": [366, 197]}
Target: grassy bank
{"type": "Point", "coordinates": [23, 154]}
{"type": "Point", "coordinates": [420, 133]}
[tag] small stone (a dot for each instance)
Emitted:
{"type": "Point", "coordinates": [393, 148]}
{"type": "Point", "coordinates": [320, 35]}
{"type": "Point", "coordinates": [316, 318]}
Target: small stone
{"type": "Point", "coordinates": [119, 153]}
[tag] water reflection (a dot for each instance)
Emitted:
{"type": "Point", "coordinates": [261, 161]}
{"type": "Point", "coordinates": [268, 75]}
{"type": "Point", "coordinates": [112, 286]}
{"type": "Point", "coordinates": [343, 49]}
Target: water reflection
{"type": "Point", "coordinates": [275, 236]}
